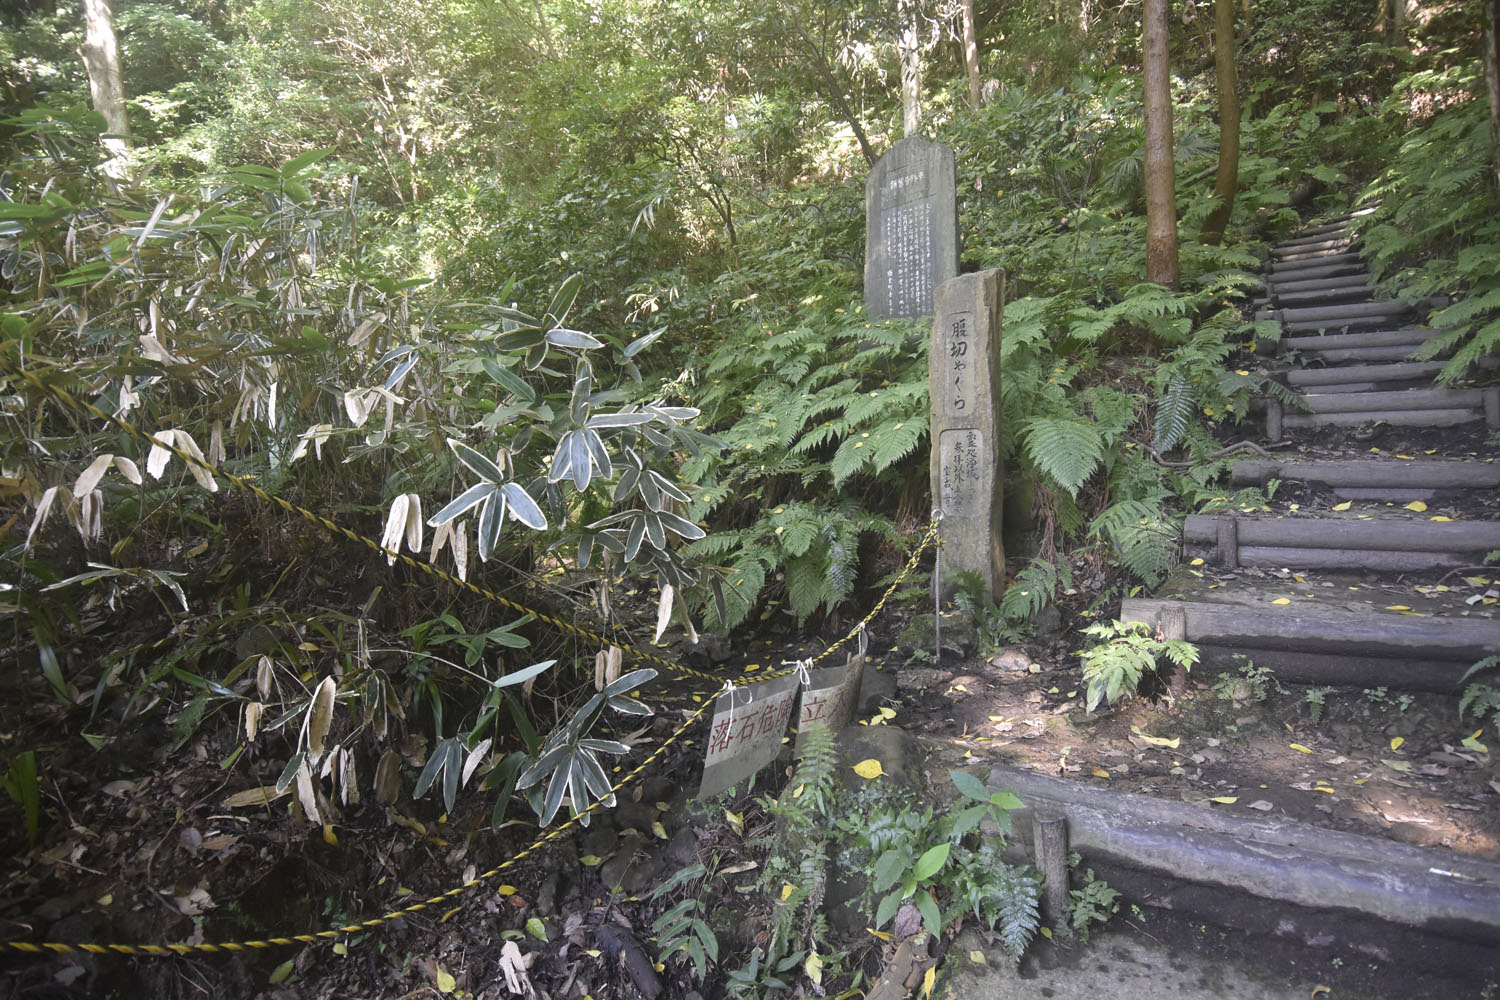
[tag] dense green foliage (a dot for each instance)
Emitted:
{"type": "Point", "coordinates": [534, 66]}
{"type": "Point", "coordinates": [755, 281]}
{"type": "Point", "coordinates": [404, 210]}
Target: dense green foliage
{"type": "Point", "coordinates": [581, 282]}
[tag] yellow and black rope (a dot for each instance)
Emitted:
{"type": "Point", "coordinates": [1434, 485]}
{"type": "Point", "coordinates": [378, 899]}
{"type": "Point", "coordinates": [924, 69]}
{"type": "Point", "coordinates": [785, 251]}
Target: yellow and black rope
{"type": "Point", "coordinates": [705, 702]}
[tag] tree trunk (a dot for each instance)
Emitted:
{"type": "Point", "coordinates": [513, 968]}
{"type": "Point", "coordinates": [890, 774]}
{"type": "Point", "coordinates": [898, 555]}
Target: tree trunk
{"type": "Point", "coordinates": [834, 92]}
{"type": "Point", "coordinates": [101, 60]}
{"type": "Point", "coordinates": [910, 45]}
{"type": "Point", "coordinates": [1492, 77]}
{"type": "Point", "coordinates": [1161, 194]}
{"type": "Point", "coordinates": [1228, 180]}
{"type": "Point", "coordinates": [971, 53]}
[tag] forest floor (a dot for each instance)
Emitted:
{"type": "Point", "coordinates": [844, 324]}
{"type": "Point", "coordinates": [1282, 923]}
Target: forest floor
{"type": "Point", "coordinates": [143, 844]}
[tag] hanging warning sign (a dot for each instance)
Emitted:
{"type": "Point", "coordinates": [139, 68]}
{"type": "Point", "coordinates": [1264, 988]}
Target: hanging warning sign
{"type": "Point", "coordinates": [746, 732]}
{"type": "Point", "coordinates": [831, 693]}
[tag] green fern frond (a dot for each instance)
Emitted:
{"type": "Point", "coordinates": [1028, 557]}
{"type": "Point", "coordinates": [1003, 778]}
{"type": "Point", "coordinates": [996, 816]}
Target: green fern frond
{"type": "Point", "coordinates": [1144, 539]}
{"type": "Point", "coordinates": [893, 442]}
{"type": "Point", "coordinates": [1067, 450]}
{"type": "Point", "coordinates": [1174, 412]}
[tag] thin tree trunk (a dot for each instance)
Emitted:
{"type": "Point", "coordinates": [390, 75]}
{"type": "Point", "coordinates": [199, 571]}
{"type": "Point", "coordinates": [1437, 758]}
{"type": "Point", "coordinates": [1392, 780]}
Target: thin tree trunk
{"type": "Point", "coordinates": [1492, 77]}
{"type": "Point", "coordinates": [971, 53]}
{"type": "Point", "coordinates": [101, 60]}
{"type": "Point", "coordinates": [910, 45]}
{"type": "Point", "coordinates": [1228, 180]}
{"type": "Point", "coordinates": [1161, 194]}
{"type": "Point", "coordinates": [835, 93]}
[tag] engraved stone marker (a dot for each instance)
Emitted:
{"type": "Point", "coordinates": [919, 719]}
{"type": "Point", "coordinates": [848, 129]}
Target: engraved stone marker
{"type": "Point", "coordinates": [746, 732]}
{"type": "Point", "coordinates": [964, 383]}
{"type": "Point", "coordinates": [911, 228]}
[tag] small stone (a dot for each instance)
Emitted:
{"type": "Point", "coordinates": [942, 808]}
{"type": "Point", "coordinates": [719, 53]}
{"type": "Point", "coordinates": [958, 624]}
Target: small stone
{"type": "Point", "coordinates": [1012, 660]}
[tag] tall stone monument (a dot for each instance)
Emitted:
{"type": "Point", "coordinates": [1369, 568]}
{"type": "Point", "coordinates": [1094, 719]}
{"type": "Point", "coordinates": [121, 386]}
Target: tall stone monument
{"type": "Point", "coordinates": [911, 228]}
{"type": "Point", "coordinates": [964, 383]}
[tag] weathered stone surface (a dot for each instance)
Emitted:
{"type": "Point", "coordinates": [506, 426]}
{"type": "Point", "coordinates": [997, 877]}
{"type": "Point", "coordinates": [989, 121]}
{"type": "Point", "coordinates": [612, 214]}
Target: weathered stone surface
{"type": "Point", "coordinates": [964, 382]}
{"type": "Point", "coordinates": [911, 228]}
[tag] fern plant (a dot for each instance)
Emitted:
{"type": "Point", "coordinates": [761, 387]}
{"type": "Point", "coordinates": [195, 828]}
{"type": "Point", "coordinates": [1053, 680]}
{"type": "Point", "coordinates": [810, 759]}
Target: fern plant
{"type": "Point", "coordinates": [1126, 653]}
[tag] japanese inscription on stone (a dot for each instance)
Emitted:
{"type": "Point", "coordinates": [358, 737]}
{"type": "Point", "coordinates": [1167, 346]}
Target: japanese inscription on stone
{"type": "Point", "coordinates": [911, 237]}
{"type": "Point", "coordinates": [964, 385]}
{"type": "Point", "coordinates": [746, 732]}
{"type": "Point", "coordinates": [960, 454]}
{"type": "Point", "coordinates": [956, 353]}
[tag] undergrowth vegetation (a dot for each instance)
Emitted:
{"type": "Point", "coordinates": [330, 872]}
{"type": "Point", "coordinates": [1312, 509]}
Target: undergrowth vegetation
{"type": "Point", "coordinates": [565, 300]}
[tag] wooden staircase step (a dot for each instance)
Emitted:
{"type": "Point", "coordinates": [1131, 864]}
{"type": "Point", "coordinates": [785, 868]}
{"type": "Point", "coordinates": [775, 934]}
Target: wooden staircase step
{"type": "Point", "coordinates": [1383, 544]}
{"type": "Point", "coordinates": [1369, 473]}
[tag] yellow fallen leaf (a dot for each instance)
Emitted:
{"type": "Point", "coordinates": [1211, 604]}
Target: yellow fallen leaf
{"type": "Point", "coordinates": [591, 860]}
{"type": "Point", "coordinates": [977, 957]}
{"type": "Point", "coordinates": [1282, 600]}
{"type": "Point", "coordinates": [510, 890]}
{"type": "Point", "coordinates": [1439, 517]}
{"type": "Point", "coordinates": [881, 935]}
{"type": "Point", "coordinates": [1323, 991]}
{"type": "Point", "coordinates": [1406, 457]}
{"type": "Point", "coordinates": [786, 891]}
{"type": "Point", "coordinates": [736, 821]}
{"type": "Point", "coordinates": [929, 980]}
{"type": "Point", "coordinates": [1227, 800]}
{"type": "Point", "coordinates": [659, 830]}
{"type": "Point", "coordinates": [1397, 765]}
{"type": "Point", "coordinates": [869, 769]}
{"type": "Point", "coordinates": [1324, 788]}
{"type": "Point", "coordinates": [329, 837]}
{"type": "Point", "coordinates": [1396, 742]}
{"type": "Point", "coordinates": [814, 968]}
{"type": "Point", "coordinates": [445, 982]}
{"type": "Point", "coordinates": [960, 687]}
{"type": "Point", "coordinates": [1100, 772]}
{"type": "Point", "coordinates": [1046, 932]}
{"type": "Point", "coordinates": [997, 718]}
{"type": "Point", "coordinates": [1416, 505]}
{"type": "Point", "coordinates": [1300, 748]}
{"type": "Point", "coordinates": [1344, 506]}
{"type": "Point", "coordinates": [1158, 741]}
{"type": "Point", "coordinates": [1196, 562]}
{"type": "Point", "coordinates": [1398, 607]}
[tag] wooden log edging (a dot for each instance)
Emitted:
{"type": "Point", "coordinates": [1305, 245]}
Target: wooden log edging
{"type": "Point", "coordinates": [1399, 372]}
{"type": "Point", "coordinates": [1278, 860]}
{"type": "Point", "coordinates": [1417, 473]}
{"type": "Point", "coordinates": [1383, 534]}
{"type": "Point", "coordinates": [1328, 631]}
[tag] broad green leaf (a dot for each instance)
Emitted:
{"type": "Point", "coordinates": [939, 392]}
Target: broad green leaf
{"type": "Point", "coordinates": [931, 861]}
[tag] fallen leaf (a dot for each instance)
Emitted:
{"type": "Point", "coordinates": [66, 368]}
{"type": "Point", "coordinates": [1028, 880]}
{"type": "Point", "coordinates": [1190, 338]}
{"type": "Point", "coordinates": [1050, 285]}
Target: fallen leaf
{"type": "Point", "coordinates": [1300, 748]}
{"type": "Point", "coordinates": [1344, 506]}
{"type": "Point", "coordinates": [1225, 800]}
{"type": "Point", "coordinates": [1417, 506]}
{"type": "Point", "coordinates": [929, 980]}
{"type": "Point", "coordinates": [536, 928]}
{"type": "Point", "coordinates": [1398, 607]}
{"type": "Point", "coordinates": [1282, 600]}
{"type": "Point", "coordinates": [1262, 805]}
{"type": "Point", "coordinates": [1439, 517]}
{"type": "Point", "coordinates": [445, 981]}
{"type": "Point", "coordinates": [281, 972]}
{"type": "Point", "coordinates": [814, 968]}
{"type": "Point", "coordinates": [869, 769]}
{"type": "Point", "coordinates": [1196, 562]}
{"type": "Point", "coordinates": [977, 957]}
{"type": "Point", "coordinates": [1397, 741]}
{"type": "Point", "coordinates": [881, 935]}
{"type": "Point", "coordinates": [1397, 765]}
{"type": "Point", "coordinates": [1100, 772]}
{"type": "Point", "coordinates": [591, 860]}
{"type": "Point", "coordinates": [786, 891]}
{"type": "Point", "coordinates": [1158, 741]}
